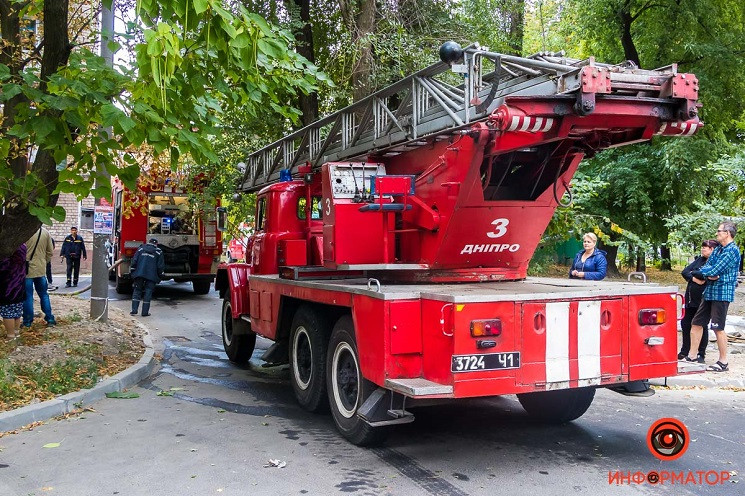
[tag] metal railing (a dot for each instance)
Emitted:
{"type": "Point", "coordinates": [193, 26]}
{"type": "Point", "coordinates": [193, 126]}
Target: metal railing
{"type": "Point", "coordinates": [435, 101]}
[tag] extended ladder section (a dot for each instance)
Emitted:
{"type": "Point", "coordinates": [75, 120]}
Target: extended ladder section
{"type": "Point", "coordinates": [448, 97]}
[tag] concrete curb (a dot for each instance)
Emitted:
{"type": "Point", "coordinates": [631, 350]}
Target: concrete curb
{"type": "Point", "coordinates": [15, 419]}
{"type": "Point", "coordinates": [702, 380]}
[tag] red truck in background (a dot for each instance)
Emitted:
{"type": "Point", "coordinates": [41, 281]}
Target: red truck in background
{"type": "Point", "coordinates": [392, 241]}
{"type": "Point", "coordinates": [189, 238]}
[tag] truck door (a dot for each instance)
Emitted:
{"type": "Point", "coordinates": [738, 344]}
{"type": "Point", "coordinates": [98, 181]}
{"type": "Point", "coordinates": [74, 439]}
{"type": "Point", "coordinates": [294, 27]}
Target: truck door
{"type": "Point", "coordinates": [571, 343]}
{"type": "Point", "coordinates": [258, 237]}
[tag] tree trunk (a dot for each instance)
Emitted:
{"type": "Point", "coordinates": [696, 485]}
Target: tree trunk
{"type": "Point", "coordinates": [641, 263]}
{"type": "Point", "coordinates": [517, 25]}
{"type": "Point", "coordinates": [610, 257]}
{"type": "Point", "coordinates": [304, 35]}
{"type": "Point", "coordinates": [364, 27]}
{"type": "Point", "coordinates": [627, 41]}
{"type": "Point", "coordinates": [17, 224]}
{"type": "Point", "coordinates": [665, 255]}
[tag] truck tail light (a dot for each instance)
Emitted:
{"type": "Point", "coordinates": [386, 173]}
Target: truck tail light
{"type": "Point", "coordinates": [651, 316]}
{"type": "Point", "coordinates": [481, 328]}
{"type": "Point", "coordinates": [129, 252]}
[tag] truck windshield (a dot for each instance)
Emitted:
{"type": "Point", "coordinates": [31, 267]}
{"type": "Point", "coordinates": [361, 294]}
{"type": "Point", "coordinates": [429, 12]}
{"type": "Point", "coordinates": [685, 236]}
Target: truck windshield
{"type": "Point", "coordinates": [170, 214]}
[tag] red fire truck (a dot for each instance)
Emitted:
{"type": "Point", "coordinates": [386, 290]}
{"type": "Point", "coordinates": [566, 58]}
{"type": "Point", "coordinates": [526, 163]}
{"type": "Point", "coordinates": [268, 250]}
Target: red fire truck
{"type": "Point", "coordinates": [189, 238]}
{"type": "Point", "coordinates": [389, 259]}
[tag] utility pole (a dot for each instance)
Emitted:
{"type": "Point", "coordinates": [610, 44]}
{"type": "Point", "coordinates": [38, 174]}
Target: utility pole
{"type": "Point", "coordinates": [99, 268]}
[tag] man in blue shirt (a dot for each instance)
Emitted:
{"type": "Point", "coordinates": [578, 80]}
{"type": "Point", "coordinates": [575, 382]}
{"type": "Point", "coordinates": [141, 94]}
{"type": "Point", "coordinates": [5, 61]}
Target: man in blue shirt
{"type": "Point", "coordinates": [721, 271]}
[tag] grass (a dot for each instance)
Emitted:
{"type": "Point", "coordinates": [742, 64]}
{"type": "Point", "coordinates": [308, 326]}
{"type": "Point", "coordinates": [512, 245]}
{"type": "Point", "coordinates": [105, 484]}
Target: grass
{"type": "Point", "coordinates": [84, 364]}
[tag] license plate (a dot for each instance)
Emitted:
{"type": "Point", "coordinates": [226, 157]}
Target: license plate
{"type": "Point", "coordinates": [488, 361]}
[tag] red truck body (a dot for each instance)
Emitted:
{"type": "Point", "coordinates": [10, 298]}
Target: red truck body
{"type": "Point", "coordinates": [401, 276]}
{"type": "Point", "coordinates": [190, 241]}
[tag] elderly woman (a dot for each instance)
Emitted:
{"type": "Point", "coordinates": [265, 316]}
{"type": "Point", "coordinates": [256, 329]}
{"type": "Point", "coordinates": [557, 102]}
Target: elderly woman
{"type": "Point", "coordinates": [13, 291]}
{"type": "Point", "coordinates": [589, 263]}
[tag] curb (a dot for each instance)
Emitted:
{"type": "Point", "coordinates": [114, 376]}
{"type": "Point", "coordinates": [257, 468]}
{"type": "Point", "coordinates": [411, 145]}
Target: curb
{"type": "Point", "coordinates": [62, 405]}
{"type": "Point", "coordinates": [701, 380]}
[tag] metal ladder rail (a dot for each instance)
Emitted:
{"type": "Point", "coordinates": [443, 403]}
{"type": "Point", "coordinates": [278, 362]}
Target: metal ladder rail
{"type": "Point", "coordinates": [416, 117]}
{"type": "Point", "coordinates": [426, 107]}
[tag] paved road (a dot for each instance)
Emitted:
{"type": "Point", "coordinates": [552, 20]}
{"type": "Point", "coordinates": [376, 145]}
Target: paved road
{"type": "Point", "coordinates": [223, 424]}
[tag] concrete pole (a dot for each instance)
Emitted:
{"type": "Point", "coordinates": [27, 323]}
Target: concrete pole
{"type": "Point", "coordinates": [99, 269]}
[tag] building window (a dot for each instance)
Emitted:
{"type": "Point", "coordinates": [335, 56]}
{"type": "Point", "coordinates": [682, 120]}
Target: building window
{"type": "Point", "coordinates": [86, 218]}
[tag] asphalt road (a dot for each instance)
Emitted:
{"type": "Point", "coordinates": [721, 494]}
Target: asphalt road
{"type": "Point", "coordinates": [219, 426]}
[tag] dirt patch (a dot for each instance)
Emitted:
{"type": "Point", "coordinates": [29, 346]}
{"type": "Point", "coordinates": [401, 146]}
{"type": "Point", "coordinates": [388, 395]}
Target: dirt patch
{"type": "Point", "coordinates": [51, 360]}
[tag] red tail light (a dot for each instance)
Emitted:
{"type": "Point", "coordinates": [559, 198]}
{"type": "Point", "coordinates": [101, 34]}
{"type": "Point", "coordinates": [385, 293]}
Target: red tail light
{"type": "Point", "coordinates": [651, 316]}
{"type": "Point", "coordinates": [481, 328]}
{"type": "Point", "coordinates": [129, 252]}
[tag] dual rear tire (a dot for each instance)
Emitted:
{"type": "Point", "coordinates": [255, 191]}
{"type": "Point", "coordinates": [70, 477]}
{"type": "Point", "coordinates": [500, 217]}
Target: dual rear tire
{"type": "Point", "coordinates": [325, 373]}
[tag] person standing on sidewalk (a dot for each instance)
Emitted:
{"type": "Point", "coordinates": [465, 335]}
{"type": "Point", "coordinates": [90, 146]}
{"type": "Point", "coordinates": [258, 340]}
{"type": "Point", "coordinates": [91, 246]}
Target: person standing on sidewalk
{"type": "Point", "coordinates": [147, 269]}
{"type": "Point", "coordinates": [73, 247]}
{"type": "Point", "coordinates": [721, 272]}
{"type": "Point", "coordinates": [13, 291]}
{"type": "Point", "coordinates": [38, 253]}
{"type": "Point", "coordinates": [693, 295]}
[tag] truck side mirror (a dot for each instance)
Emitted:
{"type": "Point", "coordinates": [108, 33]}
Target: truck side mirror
{"type": "Point", "coordinates": [222, 219]}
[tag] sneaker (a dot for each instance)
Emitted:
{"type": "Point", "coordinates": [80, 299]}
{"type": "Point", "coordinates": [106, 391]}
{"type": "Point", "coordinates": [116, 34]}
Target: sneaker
{"type": "Point", "coordinates": [74, 285]}
{"type": "Point", "coordinates": [52, 288]}
{"type": "Point", "coordinates": [146, 315]}
{"type": "Point", "coordinates": [700, 359]}
{"type": "Point", "coordinates": [133, 313]}
{"type": "Point", "coordinates": [68, 284]}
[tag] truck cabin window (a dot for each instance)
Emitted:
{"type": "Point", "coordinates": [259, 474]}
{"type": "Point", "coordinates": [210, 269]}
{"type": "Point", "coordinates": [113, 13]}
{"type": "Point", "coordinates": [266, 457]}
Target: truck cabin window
{"type": "Point", "coordinates": [171, 214]}
{"type": "Point", "coordinates": [316, 209]}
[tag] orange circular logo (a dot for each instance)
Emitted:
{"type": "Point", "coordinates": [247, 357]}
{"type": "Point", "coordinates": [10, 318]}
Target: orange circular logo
{"type": "Point", "coordinates": [668, 439]}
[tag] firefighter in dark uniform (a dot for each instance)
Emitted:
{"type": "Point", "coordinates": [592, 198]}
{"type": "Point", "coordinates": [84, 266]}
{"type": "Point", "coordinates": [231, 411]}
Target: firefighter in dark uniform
{"type": "Point", "coordinates": [147, 269]}
{"type": "Point", "coordinates": [73, 247]}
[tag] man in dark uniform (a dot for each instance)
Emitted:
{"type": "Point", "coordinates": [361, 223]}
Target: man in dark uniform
{"type": "Point", "coordinates": [147, 269]}
{"type": "Point", "coordinates": [73, 247]}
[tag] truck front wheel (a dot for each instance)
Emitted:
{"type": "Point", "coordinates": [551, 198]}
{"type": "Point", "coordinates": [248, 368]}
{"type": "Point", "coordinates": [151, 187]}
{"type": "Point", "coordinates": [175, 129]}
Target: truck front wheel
{"type": "Point", "coordinates": [308, 342]}
{"type": "Point", "coordinates": [559, 406]}
{"type": "Point", "coordinates": [239, 346]}
{"type": "Point", "coordinates": [347, 389]}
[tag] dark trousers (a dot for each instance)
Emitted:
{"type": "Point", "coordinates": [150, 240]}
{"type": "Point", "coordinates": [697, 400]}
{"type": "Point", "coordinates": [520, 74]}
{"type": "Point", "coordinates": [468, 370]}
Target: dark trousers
{"type": "Point", "coordinates": [73, 269]}
{"type": "Point", "coordinates": [685, 326]}
{"type": "Point", "coordinates": [49, 272]}
{"type": "Point", "coordinates": [142, 291]}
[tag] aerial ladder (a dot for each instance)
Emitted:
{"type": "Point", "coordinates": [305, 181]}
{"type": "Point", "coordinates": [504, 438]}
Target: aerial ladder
{"type": "Point", "coordinates": [389, 258]}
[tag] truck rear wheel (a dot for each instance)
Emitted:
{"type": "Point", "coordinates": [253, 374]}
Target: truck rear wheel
{"type": "Point", "coordinates": [559, 406]}
{"type": "Point", "coordinates": [238, 347]}
{"type": "Point", "coordinates": [347, 389]}
{"type": "Point", "coordinates": [309, 339]}
{"type": "Point", "coordinates": [123, 286]}
{"type": "Point", "coordinates": [201, 286]}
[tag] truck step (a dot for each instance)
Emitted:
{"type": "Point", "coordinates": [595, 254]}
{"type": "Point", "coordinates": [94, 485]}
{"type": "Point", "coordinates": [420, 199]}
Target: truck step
{"type": "Point", "coordinates": [418, 387]}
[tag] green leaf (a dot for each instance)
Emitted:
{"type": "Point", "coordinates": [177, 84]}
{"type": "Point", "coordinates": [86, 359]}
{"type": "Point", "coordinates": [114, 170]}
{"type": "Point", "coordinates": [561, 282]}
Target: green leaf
{"type": "Point", "coordinates": [122, 395]}
{"type": "Point", "coordinates": [9, 91]}
{"type": "Point", "coordinates": [164, 393]}
{"type": "Point", "coordinates": [4, 72]}
{"type": "Point", "coordinates": [200, 6]}
{"type": "Point", "coordinates": [51, 445]}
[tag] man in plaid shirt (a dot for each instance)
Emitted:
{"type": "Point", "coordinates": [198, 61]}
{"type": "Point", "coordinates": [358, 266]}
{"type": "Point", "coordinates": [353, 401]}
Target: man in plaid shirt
{"type": "Point", "coordinates": [721, 270]}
